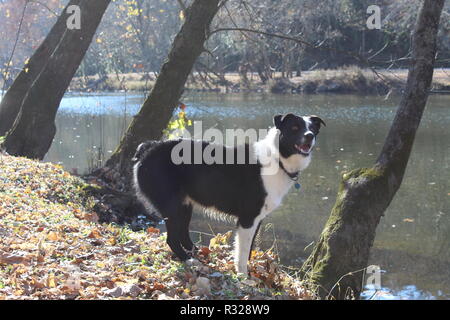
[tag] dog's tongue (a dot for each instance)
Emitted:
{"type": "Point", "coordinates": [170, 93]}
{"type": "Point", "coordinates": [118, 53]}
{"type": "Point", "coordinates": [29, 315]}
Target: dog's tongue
{"type": "Point", "coordinates": [303, 147]}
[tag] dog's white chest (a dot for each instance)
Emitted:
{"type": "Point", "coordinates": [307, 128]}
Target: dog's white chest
{"type": "Point", "coordinates": [277, 186]}
{"type": "Point", "coordinates": [276, 182]}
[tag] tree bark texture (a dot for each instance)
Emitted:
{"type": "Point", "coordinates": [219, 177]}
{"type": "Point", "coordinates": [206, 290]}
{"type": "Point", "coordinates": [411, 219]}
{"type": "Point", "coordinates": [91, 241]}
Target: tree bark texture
{"type": "Point", "coordinates": [13, 98]}
{"type": "Point", "coordinates": [158, 108]}
{"type": "Point", "coordinates": [34, 128]}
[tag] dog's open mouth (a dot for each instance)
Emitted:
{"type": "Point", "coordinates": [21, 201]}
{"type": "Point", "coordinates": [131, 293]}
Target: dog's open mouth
{"type": "Point", "coordinates": [304, 149]}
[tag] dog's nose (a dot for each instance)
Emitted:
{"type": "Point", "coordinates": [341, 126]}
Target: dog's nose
{"type": "Point", "coordinates": [308, 136]}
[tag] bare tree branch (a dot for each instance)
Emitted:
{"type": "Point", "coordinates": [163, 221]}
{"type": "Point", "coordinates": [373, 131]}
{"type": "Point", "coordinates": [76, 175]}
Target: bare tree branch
{"type": "Point", "coordinates": [5, 73]}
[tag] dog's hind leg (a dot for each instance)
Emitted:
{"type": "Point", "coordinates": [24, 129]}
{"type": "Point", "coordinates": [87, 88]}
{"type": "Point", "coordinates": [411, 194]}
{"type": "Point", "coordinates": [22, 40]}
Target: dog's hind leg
{"type": "Point", "coordinates": [244, 238]}
{"type": "Point", "coordinates": [185, 219]}
{"type": "Point", "coordinates": [174, 236]}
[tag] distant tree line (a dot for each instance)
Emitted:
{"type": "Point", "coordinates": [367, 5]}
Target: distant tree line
{"type": "Point", "coordinates": [135, 36]}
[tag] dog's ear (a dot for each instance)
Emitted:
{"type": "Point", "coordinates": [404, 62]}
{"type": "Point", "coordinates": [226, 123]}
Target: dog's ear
{"type": "Point", "coordinates": [317, 120]}
{"type": "Point", "coordinates": [278, 119]}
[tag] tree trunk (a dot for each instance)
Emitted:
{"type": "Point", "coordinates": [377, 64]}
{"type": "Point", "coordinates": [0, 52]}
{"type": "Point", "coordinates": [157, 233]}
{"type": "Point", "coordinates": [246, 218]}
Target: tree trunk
{"type": "Point", "coordinates": [13, 98]}
{"type": "Point", "coordinates": [34, 128]}
{"type": "Point", "coordinates": [163, 99]}
{"type": "Point", "coordinates": [339, 259]}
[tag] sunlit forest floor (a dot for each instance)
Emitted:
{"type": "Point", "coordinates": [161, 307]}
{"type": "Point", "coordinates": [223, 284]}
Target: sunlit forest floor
{"type": "Point", "coordinates": [53, 247]}
{"type": "Point", "coordinates": [345, 80]}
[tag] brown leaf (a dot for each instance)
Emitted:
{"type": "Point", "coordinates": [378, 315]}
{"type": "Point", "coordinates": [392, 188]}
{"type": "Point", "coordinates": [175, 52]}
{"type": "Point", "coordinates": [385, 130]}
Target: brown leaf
{"type": "Point", "coordinates": [54, 236]}
{"type": "Point", "coordinates": [95, 234]}
{"type": "Point", "coordinates": [156, 286]}
{"type": "Point", "coordinates": [37, 284]}
{"type": "Point", "coordinates": [204, 251]}
{"type": "Point", "coordinates": [9, 258]}
{"type": "Point", "coordinates": [91, 217]}
{"type": "Point", "coordinates": [51, 281]}
{"type": "Point", "coordinates": [111, 241]}
{"type": "Point", "coordinates": [153, 230]}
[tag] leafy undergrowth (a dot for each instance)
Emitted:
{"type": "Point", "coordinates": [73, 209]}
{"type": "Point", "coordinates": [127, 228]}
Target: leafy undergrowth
{"type": "Point", "coordinates": [52, 247]}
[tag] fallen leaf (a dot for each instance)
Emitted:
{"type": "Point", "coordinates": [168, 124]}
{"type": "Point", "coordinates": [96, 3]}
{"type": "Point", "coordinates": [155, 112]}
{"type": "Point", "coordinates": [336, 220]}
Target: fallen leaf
{"type": "Point", "coordinates": [51, 283]}
{"type": "Point", "coordinates": [91, 217]}
{"type": "Point", "coordinates": [204, 251]}
{"type": "Point", "coordinates": [95, 234]}
{"type": "Point", "coordinates": [8, 258]}
{"type": "Point", "coordinates": [53, 236]}
{"type": "Point", "coordinates": [220, 239]}
{"type": "Point", "coordinates": [156, 286]}
{"type": "Point", "coordinates": [153, 230]}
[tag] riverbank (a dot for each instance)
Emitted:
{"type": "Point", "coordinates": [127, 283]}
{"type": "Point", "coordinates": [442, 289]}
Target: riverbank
{"type": "Point", "coordinates": [349, 80]}
{"type": "Point", "coordinates": [52, 246]}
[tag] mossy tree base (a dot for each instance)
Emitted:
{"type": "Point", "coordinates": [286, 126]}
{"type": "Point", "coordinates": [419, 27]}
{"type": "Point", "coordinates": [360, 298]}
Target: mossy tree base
{"type": "Point", "coordinates": [339, 259]}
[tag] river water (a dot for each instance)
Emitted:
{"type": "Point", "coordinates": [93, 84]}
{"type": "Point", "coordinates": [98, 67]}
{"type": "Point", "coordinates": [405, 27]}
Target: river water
{"type": "Point", "coordinates": [412, 246]}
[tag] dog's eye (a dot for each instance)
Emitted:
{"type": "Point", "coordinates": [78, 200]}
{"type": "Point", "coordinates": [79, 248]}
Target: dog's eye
{"type": "Point", "coordinates": [294, 128]}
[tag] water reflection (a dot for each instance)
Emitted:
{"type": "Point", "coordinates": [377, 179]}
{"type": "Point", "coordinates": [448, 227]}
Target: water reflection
{"type": "Point", "coordinates": [410, 292]}
{"type": "Point", "coordinates": [412, 242]}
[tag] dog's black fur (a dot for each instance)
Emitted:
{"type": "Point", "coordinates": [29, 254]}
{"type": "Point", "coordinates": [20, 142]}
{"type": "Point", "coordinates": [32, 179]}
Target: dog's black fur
{"type": "Point", "coordinates": [217, 185]}
{"type": "Point", "coordinates": [235, 189]}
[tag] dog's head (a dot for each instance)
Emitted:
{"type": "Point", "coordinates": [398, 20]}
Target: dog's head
{"type": "Point", "coordinates": [297, 134]}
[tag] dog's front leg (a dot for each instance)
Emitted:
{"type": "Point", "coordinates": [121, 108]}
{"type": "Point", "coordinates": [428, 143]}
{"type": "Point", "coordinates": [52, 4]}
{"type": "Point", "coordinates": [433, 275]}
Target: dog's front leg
{"type": "Point", "coordinates": [244, 239]}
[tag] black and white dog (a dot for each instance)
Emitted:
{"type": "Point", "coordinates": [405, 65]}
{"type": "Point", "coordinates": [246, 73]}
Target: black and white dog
{"type": "Point", "coordinates": [248, 191]}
